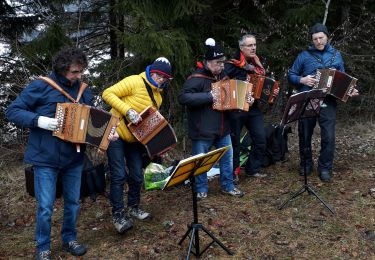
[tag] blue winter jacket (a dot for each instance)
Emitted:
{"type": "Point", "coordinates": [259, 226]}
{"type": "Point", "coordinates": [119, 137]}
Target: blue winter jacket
{"type": "Point", "coordinates": [308, 61]}
{"type": "Point", "coordinates": [39, 99]}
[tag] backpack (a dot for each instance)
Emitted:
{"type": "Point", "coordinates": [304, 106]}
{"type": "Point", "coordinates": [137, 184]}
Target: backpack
{"type": "Point", "coordinates": [276, 145]}
{"type": "Point", "coordinates": [93, 180]}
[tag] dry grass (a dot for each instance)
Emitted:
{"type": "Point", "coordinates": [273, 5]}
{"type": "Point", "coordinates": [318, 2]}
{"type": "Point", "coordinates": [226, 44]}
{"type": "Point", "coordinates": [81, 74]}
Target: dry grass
{"type": "Point", "coordinates": [253, 226]}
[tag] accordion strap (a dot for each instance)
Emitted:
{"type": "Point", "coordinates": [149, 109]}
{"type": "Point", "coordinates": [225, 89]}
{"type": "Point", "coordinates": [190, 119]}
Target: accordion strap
{"type": "Point", "coordinates": [52, 83]}
{"type": "Point", "coordinates": [199, 75]}
{"type": "Point", "coordinates": [149, 91]}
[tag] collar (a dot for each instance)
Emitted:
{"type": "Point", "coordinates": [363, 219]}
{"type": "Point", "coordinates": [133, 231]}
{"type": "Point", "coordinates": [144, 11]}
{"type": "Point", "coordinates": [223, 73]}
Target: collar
{"type": "Point", "coordinates": [63, 80]}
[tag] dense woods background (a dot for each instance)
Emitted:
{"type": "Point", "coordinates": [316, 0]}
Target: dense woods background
{"type": "Point", "coordinates": [121, 37]}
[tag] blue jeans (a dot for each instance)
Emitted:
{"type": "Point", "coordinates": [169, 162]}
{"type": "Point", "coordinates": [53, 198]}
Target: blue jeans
{"type": "Point", "coordinates": [45, 179]}
{"type": "Point", "coordinates": [226, 163]}
{"type": "Point", "coordinates": [254, 123]}
{"type": "Point", "coordinates": [125, 165]}
{"type": "Point", "coordinates": [327, 122]}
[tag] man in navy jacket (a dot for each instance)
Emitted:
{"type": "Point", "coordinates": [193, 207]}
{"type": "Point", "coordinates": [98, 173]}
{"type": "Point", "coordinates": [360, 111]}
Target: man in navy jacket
{"type": "Point", "coordinates": [35, 108]}
{"type": "Point", "coordinates": [320, 55]}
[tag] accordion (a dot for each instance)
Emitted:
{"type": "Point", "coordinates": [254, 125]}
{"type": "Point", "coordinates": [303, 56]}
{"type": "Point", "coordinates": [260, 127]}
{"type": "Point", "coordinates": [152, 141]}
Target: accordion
{"type": "Point", "coordinates": [84, 124]}
{"type": "Point", "coordinates": [303, 105]}
{"type": "Point", "coordinates": [231, 94]}
{"type": "Point", "coordinates": [335, 83]}
{"type": "Point", "coordinates": [154, 132]}
{"type": "Point", "coordinates": [263, 88]}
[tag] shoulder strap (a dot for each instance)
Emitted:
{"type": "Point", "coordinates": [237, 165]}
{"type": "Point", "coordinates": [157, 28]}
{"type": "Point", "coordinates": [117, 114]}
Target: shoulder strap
{"type": "Point", "coordinates": [82, 88]}
{"type": "Point", "coordinates": [199, 75]}
{"type": "Point", "coordinates": [149, 90]}
{"type": "Point", "coordinates": [333, 58]}
{"type": "Point", "coordinates": [52, 83]}
{"type": "Point", "coordinates": [315, 56]}
{"type": "Point", "coordinates": [320, 60]}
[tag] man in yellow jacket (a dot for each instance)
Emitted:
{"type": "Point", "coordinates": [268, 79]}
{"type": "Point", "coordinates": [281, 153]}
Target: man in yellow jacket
{"type": "Point", "coordinates": [128, 98]}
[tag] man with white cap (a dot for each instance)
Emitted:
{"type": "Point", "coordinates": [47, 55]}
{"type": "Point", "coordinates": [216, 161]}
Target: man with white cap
{"type": "Point", "coordinates": [208, 127]}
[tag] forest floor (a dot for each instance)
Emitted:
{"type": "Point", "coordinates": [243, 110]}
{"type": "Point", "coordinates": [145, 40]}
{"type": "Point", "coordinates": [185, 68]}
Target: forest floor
{"type": "Point", "coordinates": [252, 227]}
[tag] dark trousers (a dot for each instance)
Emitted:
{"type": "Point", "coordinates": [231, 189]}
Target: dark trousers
{"type": "Point", "coordinates": [327, 123]}
{"type": "Point", "coordinates": [254, 123]}
{"type": "Point", "coordinates": [125, 165]}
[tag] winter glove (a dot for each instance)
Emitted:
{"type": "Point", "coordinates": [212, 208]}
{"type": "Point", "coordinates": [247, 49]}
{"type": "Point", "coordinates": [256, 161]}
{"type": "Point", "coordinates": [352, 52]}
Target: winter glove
{"type": "Point", "coordinates": [133, 116]}
{"type": "Point", "coordinates": [47, 123]}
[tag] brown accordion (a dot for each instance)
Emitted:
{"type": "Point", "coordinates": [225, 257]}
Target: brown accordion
{"type": "Point", "coordinates": [263, 88]}
{"type": "Point", "coordinates": [154, 132]}
{"type": "Point", "coordinates": [231, 95]}
{"type": "Point", "coordinates": [84, 124]}
{"type": "Point", "coordinates": [335, 83]}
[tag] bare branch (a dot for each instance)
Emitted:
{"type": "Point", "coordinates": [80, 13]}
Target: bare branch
{"type": "Point", "coordinates": [326, 11]}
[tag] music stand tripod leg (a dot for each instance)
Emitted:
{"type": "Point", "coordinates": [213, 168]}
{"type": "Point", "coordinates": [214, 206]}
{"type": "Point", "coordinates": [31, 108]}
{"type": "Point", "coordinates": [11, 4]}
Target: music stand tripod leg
{"type": "Point", "coordinates": [294, 195]}
{"type": "Point", "coordinates": [215, 240]}
{"type": "Point", "coordinates": [311, 191]}
{"type": "Point", "coordinates": [185, 235]}
{"type": "Point", "coordinates": [193, 230]}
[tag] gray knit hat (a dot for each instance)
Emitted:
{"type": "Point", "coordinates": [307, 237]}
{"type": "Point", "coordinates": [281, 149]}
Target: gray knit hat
{"type": "Point", "coordinates": [318, 27]}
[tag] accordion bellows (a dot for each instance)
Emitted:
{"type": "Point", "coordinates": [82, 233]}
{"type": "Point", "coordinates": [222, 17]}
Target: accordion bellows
{"type": "Point", "coordinates": [231, 95]}
{"type": "Point", "coordinates": [264, 87]}
{"type": "Point", "coordinates": [335, 83]}
{"type": "Point", "coordinates": [84, 124]}
{"type": "Point", "coordinates": [154, 132]}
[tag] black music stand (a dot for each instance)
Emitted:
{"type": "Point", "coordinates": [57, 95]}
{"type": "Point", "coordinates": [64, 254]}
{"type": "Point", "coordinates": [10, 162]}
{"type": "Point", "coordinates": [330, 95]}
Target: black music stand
{"type": "Point", "coordinates": [303, 105]}
{"type": "Point", "coordinates": [188, 169]}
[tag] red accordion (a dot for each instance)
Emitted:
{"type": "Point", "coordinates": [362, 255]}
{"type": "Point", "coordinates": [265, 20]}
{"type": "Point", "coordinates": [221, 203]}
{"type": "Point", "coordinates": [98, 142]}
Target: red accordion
{"type": "Point", "coordinates": [335, 83]}
{"type": "Point", "coordinates": [264, 87]}
{"type": "Point", "coordinates": [84, 124]}
{"type": "Point", "coordinates": [154, 132]}
{"type": "Point", "coordinates": [231, 95]}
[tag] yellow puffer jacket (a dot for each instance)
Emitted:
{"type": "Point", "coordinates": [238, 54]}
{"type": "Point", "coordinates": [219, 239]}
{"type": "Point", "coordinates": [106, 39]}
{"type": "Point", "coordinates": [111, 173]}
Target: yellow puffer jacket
{"type": "Point", "coordinates": [128, 93]}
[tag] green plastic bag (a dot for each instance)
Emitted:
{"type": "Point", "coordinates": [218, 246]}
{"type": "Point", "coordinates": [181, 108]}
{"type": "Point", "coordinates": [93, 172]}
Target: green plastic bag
{"type": "Point", "coordinates": [156, 176]}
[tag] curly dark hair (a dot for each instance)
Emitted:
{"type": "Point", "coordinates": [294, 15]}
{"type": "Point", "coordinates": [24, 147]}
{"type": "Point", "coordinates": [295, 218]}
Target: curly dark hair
{"type": "Point", "coordinates": [67, 57]}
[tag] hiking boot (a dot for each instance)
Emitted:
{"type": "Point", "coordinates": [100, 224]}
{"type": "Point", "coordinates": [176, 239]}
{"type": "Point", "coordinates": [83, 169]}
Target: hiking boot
{"type": "Point", "coordinates": [257, 175]}
{"type": "Point", "coordinates": [235, 192]}
{"type": "Point", "coordinates": [201, 195]}
{"type": "Point", "coordinates": [121, 222]}
{"type": "Point", "coordinates": [75, 248]}
{"type": "Point", "coordinates": [44, 255]}
{"type": "Point", "coordinates": [139, 213]}
{"type": "Point", "coordinates": [325, 176]}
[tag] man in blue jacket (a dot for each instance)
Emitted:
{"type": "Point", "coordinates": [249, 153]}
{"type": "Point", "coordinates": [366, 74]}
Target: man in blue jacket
{"type": "Point", "coordinates": [208, 127]}
{"type": "Point", "coordinates": [35, 108]}
{"type": "Point", "coordinates": [320, 55]}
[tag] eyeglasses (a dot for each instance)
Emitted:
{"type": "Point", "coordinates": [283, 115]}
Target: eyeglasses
{"type": "Point", "coordinates": [160, 76]}
{"type": "Point", "coordinates": [249, 45]}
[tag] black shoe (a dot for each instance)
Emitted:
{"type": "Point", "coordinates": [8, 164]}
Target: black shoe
{"type": "Point", "coordinates": [325, 176]}
{"type": "Point", "coordinates": [75, 248]}
{"type": "Point", "coordinates": [302, 170]}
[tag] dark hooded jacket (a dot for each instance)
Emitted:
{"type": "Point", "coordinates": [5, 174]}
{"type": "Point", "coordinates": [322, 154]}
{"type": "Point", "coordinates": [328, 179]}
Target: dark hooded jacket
{"type": "Point", "coordinates": [204, 122]}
